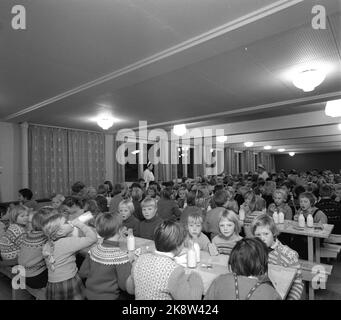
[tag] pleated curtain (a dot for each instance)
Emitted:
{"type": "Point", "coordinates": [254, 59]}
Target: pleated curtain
{"type": "Point", "coordinates": [248, 163]}
{"type": "Point", "coordinates": [229, 161]}
{"type": "Point", "coordinates": [118, 165]}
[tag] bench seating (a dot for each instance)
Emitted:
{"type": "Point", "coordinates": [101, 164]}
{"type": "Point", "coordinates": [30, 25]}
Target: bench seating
{"type": "Point", "coordinates": [308, 266]}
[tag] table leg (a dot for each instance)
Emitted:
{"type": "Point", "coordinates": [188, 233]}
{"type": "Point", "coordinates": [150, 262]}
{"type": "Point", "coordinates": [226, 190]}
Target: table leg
{"type": "Point", "coordinates": [317, 250]}
{"type": "Point", "coordinates": [310, 249]}
{"type": "Point", "coordinates": [311, 291]}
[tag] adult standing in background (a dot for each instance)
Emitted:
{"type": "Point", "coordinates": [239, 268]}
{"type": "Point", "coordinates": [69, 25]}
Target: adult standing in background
{"type": "Point", "coordinates": [262, 173]}
{"type": "Point", "coordinates": [148, 174]}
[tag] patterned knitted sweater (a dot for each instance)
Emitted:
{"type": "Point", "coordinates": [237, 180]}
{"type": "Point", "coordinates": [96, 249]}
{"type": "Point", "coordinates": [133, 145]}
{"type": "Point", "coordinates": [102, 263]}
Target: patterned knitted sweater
{"type": "Point", "coordinates": [11, 241]}
{"type": "Point", "coordinates": [106, 269]}
{"type": "Point", "coordinates": [31, 253]}
{"type": "Point", "coordinates": [157, 276]}
{"type": "Point", "coordinates": [282, 255]}
{"type": "Point", "coordinates": [224, 245]}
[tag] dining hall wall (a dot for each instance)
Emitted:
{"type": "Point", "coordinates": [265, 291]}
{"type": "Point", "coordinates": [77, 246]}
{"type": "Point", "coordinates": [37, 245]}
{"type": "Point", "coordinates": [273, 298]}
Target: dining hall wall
{"type": "Point", "coordinates": [10, 161]}
{"type": "Point", "coordinates": [309, 161]}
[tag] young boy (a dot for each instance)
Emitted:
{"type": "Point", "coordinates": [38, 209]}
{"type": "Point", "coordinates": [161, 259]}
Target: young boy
{"type": "Point", "coordinates": [194, 227]}
{"type": "Point", "coordinates": [126, 210]}
{"type": "Point", "coordinates": [106, 267]}
{"type": "Point", "coordinates": [152, 220]}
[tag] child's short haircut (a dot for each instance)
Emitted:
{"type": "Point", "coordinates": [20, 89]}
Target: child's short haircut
{"type": "Point", "coordinates": [15, 212]}
{"type": "Point", "coordinates": [264, 220]}
{"type": "Point", "coordinates": [326, 190]}
{"type": "Point", "coordinates": [77, 187]}
{"type": "Point", "coordinates": [148, 202]}
{"type": "Point", "coordinates": [191, 196]}
{"type": "Point", "coordinates": [136, 193]}
{"type": "Point", "coordinates": [127, 203]}
{"type": "Point", "coordinates": [108, 224]}
{"type": "Point", "coordinates": [72, 200]}
{"type": "Point", "coordinates": [26, 193]}
{"type": "Point", "coordinates": [59, 197]}
{"type": "Point", "coordinates": [169, 236]}
{"type": "Point", "coordinates": [309, 196]}
{"type": "Point", "coordinates": [231, 216]}
{"type": "Point", "coordinates": [166, 192]}
{"type": "Point", "coordinates": [249, 257]}
{"type": "Point", "coordinates": [220, 198]}
{"type": "Point", "coordinates": [39, 218]}
{"type": "Point", "coordinates": [195, 216]}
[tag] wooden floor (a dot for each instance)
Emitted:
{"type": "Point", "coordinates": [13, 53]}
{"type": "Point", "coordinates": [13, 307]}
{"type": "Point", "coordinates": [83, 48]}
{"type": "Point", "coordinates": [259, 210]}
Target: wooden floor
{"type": "Point", "coordinates": [332, 292]}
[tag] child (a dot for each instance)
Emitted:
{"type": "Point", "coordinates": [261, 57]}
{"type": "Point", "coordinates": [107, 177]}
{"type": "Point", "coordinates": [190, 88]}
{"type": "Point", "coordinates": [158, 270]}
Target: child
{"type": "Point", "coordinates": [152, 192]}
{"type": "Point", "coordinates": [25, 198]}
{"type": "Point", "coordinates": [264, 228]}
{"type": "Point", "coordinates": [59, 254]}
{"type": "Point", "coordinates": [13, 238]}
{"type": "Point", "coordinates": [248, 281]}
{"type": "Point", "coordinates": [213, 216]}
{"type": "Point", "coordinates": [194, 227]}
{"type": "Point", "coordinates": [229, 229]}
{"type": "Point", "coordinates": [231, 204]}
{"type": "Point", "coordinates": [30, 255]}
{"type": "Point", "coordinates": [74, 207]}
{"type": "Point", "coordinates": [126, 210]}
{"type": "Point", "coordinates": [279, 204]}
{"type": "Point", "coordinates": [152, 220]}
{"type": "Point", "coordinates": [119, 194]}
{"type": "Point", "coordinates": [168, 208]}
{"type": "Point", "coordinates": [57, 202]}
{"type": "Point", "coordinates": [182, 195]}
{"type": "Point", "coordinates": [156, 276]}
{"type": "Point", "coordinates": [106, 267]}
{"type": "Point", "coordinates": [307, 205]}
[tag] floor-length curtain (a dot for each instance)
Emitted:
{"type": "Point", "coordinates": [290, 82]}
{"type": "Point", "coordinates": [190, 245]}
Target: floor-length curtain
{"type": "Point", "coordinates": [198, 163]}
{"type": "Point", "coordinates": [248, 163]}
{"type": "Point", "coordinates": [118, 165]}
{"type": "Point", "coordinates": [268, 160]}
{"type": "Point", "coordinates": [48, 161]}
{"type": "Point", "coordinates": [86, 157]}
{"type": "Point", "coordinates": [229, 161]}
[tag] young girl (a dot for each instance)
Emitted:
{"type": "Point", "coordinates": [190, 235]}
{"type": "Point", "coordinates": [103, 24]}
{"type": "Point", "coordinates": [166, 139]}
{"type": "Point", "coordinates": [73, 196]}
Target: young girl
{"type": "Point", "coordinates": [181, 198]}
{"type": "Point", "coordinates": [106, 267]}
{"type": "Point", "coordinates": [264, 228]}
{"type": "Point", "coordinates": [126, 211]}
{"type": "Point", "coordinates": [30, 255]}
{"type": "Point", "coordinates": [307, 205]}
{"type": "Point", "coordinates": [152, 192]}
{"type": "Point", "coordinates": [248, 281]}
{"type": "Point", "coordinates": [280, 205]}
{"type": "Point", "coordinates": [13, 238]}
{"type": "Point", "coordinates": [57, 202]}
{"type": "Point", "coordinates": [59, 253]}
{"type": "Point", "coordinates": [231, 204]}
{"type": "Point", "coordinates": [194, 227]}
{"type": "Point", "coordinates": [156, 276]}
{"type": "Point", "coordinates": [229, 229]}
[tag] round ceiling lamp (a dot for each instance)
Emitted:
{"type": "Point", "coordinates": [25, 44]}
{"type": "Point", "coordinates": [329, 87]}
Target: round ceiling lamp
{"type": "Point", "coordinates": [267, 147]}
{"type": "Point", "coordinates": [281, 150]}
{"type": "Point", "coordinates": [308, 80]}
{"type": "Point", "coordinates": [179, 129]}
{"type": "Point", "coordinates": [221, 139]}
{"type": "Point", "coordinates": [105, 122]}
{"type": "Point", "coordinates": [248, 144]}
{"type": "Point", "coordinates": [291, 154]}
{"type": "Point", "coordinates": [333, 108]}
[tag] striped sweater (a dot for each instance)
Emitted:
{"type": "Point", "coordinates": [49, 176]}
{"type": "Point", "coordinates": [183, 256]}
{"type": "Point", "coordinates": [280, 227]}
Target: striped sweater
{"type": "Point", "coordinates": [282, 255]}
{"type": "Point", "coordinates": [11, 241]}
{"type": "Point", "coordinates": [224, 245]}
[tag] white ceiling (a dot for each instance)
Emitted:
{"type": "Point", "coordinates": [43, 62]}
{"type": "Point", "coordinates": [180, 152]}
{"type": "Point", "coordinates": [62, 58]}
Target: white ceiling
{"type": "Point", "coordinates": [208, 63]}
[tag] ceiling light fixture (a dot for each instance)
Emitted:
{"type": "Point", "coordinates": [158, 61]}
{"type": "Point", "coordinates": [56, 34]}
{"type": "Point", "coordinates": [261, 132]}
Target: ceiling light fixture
{"type": "Point", "coordinates": [291, 154]}
{"type": "Point", "coordinates": [248, 144]}
{"type": "Point", "coordinates": [105, 122]}
{"type": "Point", "coordinates": [281, 150]}
{"type": "Point", "coordinates": [179, 129]}
{"type": "Point", "coordinates": [267, 147]}
{"type": "Point", "coordinates": [333, 108]}
{"type": "Point", "coordinates": [308, 80]}
{"type": "Point", "coordinates": [221, 139]}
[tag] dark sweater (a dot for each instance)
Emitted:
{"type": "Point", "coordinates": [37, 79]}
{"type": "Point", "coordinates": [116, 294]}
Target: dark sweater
{"type": "Point", "coordinates": [168, 209]}
{"type": "Point", "coordinates": [106, 269]}
{"type": "Point", "coordinates": [132, 223]}
{"type": "Point", "coordinates": [138, 210]}
{"type": "Point", "coordinates": [147, 227]}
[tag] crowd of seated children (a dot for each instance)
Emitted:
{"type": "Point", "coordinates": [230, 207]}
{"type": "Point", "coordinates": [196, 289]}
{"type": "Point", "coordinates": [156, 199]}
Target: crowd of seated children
{"type": "Point", "coordinates": [167, 208]}
{"type": "Point", "coordinates": [12, 239]}
{"type": "Point", "coordinates": [248, 264]}
{"type": "Point", "coordinates": [156, 276]}
{"type": "Point", "coordinates": [264, 228]}
{"type": "Point", "coordinates": [151, 219]}
{"type": "Point", "coordinates": [194, 231]}
{"type": "Point", "coordinates": [30, 255]}
{"type": "Point", "coordinates": [280, 205]}
{"type": "Point", "coordinates": [229, 229]}
{"type": "Point", "coordinates": [106, 267]}
{"type": "Point", "coordinates": [59, 253]}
